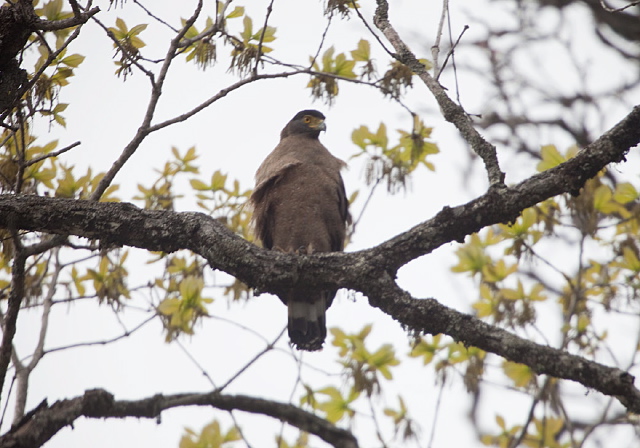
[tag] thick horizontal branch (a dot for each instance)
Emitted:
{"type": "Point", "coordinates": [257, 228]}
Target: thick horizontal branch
{"type": "Point", "coordinates": [370, 271]}
{"type": "Point", "coordinates": [123, 224]}
{"type": "Point", "coordinates": [45, 421]}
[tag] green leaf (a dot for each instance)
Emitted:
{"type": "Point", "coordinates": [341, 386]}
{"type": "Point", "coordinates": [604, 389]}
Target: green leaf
{"type": "Point", "coordinates": [551, 157]}
{"type": "Point", "coordinates": [426, 349]}
{"type": "Point", "coordinates": [199, 185]}
{"type": "Point", "coordinates": [169, 306]}
{"type": "Point", "coordinates": [384, 358]}
{"type": "Point", "coordinates": [122, 26]}
{"type": "Point", "coordinates": [363, 52]}
{"type": "Point", "coordinates": [247, 32]}
{"type": "Point", "coordinates": [344, 66]}
{"type": "Point", "coordinates": [191, 287]}
{"type": "Point", "coordinates": [137, 29]}
{"type": "Point", "coordinates": [521, 374]}
{"type": "Point", "coordinates": [625, 193]}
{"type": "Point", "coordinates": [426, 62]}
{"type": "Point", "coordinates": [360, 136]}
{"type": "Point", "coordinates": [218, 180]}
{"type": "Point", "coordinates": [238, 11]}
{"type": "Point", "coordinates": [73, 61]}
{"type": "Point", "coordinates": [498, 271]}
{"type": "Point", "coordinates": [629, 261]}
{"type": "Point", "coordinates": [337, 406]}
{"type": "Point", "coordinates": [269, 35]}
{"type": "Point", "coordinates": [472, 257]}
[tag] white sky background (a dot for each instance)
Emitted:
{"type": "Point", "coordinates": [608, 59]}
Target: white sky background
{"type": "Point", "coordinates": [234, 135]}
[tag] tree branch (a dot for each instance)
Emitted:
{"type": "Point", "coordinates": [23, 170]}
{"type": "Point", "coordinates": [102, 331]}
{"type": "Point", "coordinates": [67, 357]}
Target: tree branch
{"type": "Point", "coordinates": [452, 112]}
{"type": "Point", "coordinates": [45, 421]}
{"type": "Point", "coordinates": [16, 294]}
{"type": "Point", "coordinates": [421, 314]}
{"type": "Point", "coordinates": [370, 271]}
{"type": "Point", "coordinates": [79, 18]}
{"type": "Point", "coordinates": [156, 92]}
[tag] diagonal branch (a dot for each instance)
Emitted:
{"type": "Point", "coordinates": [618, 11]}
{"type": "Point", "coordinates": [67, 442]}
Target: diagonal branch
{"type": "Point", "coordinates": [452, 112]}
{"type": "Point", "coordinates": [156, 92]}
{"type": "Point", "coordinates": [45, 421]}
{"type": "Point", "coordinates": [430, 315]}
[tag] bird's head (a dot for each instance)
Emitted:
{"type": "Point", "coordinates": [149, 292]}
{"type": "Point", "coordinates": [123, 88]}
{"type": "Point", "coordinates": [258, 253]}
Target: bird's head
{"type": "Point", "coordinates": [306, 122]}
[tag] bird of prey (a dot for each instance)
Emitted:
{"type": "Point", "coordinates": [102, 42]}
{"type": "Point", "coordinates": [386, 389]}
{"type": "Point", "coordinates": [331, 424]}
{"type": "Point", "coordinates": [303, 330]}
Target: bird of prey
{"type": "Point", "coordinates": [300, 206]}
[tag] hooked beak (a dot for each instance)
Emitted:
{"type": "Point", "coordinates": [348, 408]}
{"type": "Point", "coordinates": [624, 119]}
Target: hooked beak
{"type": "Point", "coordinates": [321, 126]}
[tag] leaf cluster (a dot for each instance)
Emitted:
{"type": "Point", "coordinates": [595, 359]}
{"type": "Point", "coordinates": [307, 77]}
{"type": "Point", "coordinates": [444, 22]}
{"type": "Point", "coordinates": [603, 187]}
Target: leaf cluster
{"type": "Point", "coordinates": [160, 195]}
{"type": "Point", "coordinates": [362, 370]}
{"type": "Point", "coordinates": [603, 220]}
{"type": "Point", "coordinates": [394, 163]}
{"type": "Point", "coordinates": [128, 44]}
{"type": "Point", "coordinates": [211, 436]}
{"type": "Point", "coordinates": [250, 47]}
{"type": "Point", "coordinates": [544, 434]}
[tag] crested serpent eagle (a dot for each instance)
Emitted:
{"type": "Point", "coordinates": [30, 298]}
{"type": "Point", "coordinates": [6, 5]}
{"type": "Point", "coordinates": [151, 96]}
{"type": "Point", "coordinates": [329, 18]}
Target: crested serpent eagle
{"type": "Point", "coordinates": [300, 206]}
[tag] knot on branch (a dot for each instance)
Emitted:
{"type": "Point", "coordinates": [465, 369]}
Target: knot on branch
{"type": "Point", "coordinates": [97, 402]}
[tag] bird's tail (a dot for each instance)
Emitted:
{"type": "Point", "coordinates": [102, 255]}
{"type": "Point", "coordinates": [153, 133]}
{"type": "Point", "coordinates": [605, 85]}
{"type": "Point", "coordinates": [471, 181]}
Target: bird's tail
{"type": "Point", "coordinates": [307, 323]}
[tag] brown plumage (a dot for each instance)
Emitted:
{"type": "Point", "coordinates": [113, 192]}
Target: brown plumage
{"type": "Point", "coordinates": [300, 206]}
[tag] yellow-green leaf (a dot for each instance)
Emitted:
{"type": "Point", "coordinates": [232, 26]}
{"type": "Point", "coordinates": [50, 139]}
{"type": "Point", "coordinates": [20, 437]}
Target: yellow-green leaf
{"type": "Point", "coordinates": [73, 61]}
{"type": "Point", "coordinates": [362, 52]}
{"type": "Point", "coordinates": [521, 374]}
{"type": "Point", "coordinates": [625, 193]}
{"type": "Point", "coordinates": [169, 306]}
{"type": "Point", "coordinates": [551, 157]}
{"type": "Point", "coordinates": [198, 185]}
{"type": "Point", "coordinates": [238, 11]}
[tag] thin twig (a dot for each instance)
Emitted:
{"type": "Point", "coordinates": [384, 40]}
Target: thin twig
{"type": "Point", "coordinates": [364, 207]}
{"type": "Point", "coordinates": [523, 432]}
{"type": "Point", "coordinates": [24, 371]}
{"type": "Point", "coordinates": [322, 39]}
{"type": "Point", "coordinates": [52, 154]}
{"type": "Point", "coordinates": [153, 16]}
{"type": "Point", "coordinates": [376, 424]}
{"type": "Point", "coordinates": [264, 32]}
{"type": "Point", "coordinates": [435, 49]}
{"type": "Point", "coordinates": [156, 92]}
{"type": "Point", "coordinates": [436, 413]}
{"type": "Point", "coordinates": [268, 348]}
{"type": "Point", "coordinates": [366, 24]}
{"type": "Point", "coordinates": [6, 403]}
{"type": "Point", "coordinates": [609, 9]}
{"type": "Point", "coordinates": [126, 334]}
{"type": "Point", "coordinates": [54, 25]}
{"type": "Point", "coordinates": [221, 94]}
{"type": "Point", "coordinates": [21, 150]}
{"type": "Point", "coordinates": [450, 55]}
{"type": "Point", "coordinates": [195, 363]}
{"type": "Point", "coordinates": [47, 302]}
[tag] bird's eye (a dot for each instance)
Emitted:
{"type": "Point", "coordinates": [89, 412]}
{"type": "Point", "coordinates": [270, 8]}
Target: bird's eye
{"type": "Point", "coordinates": [307, 119]}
